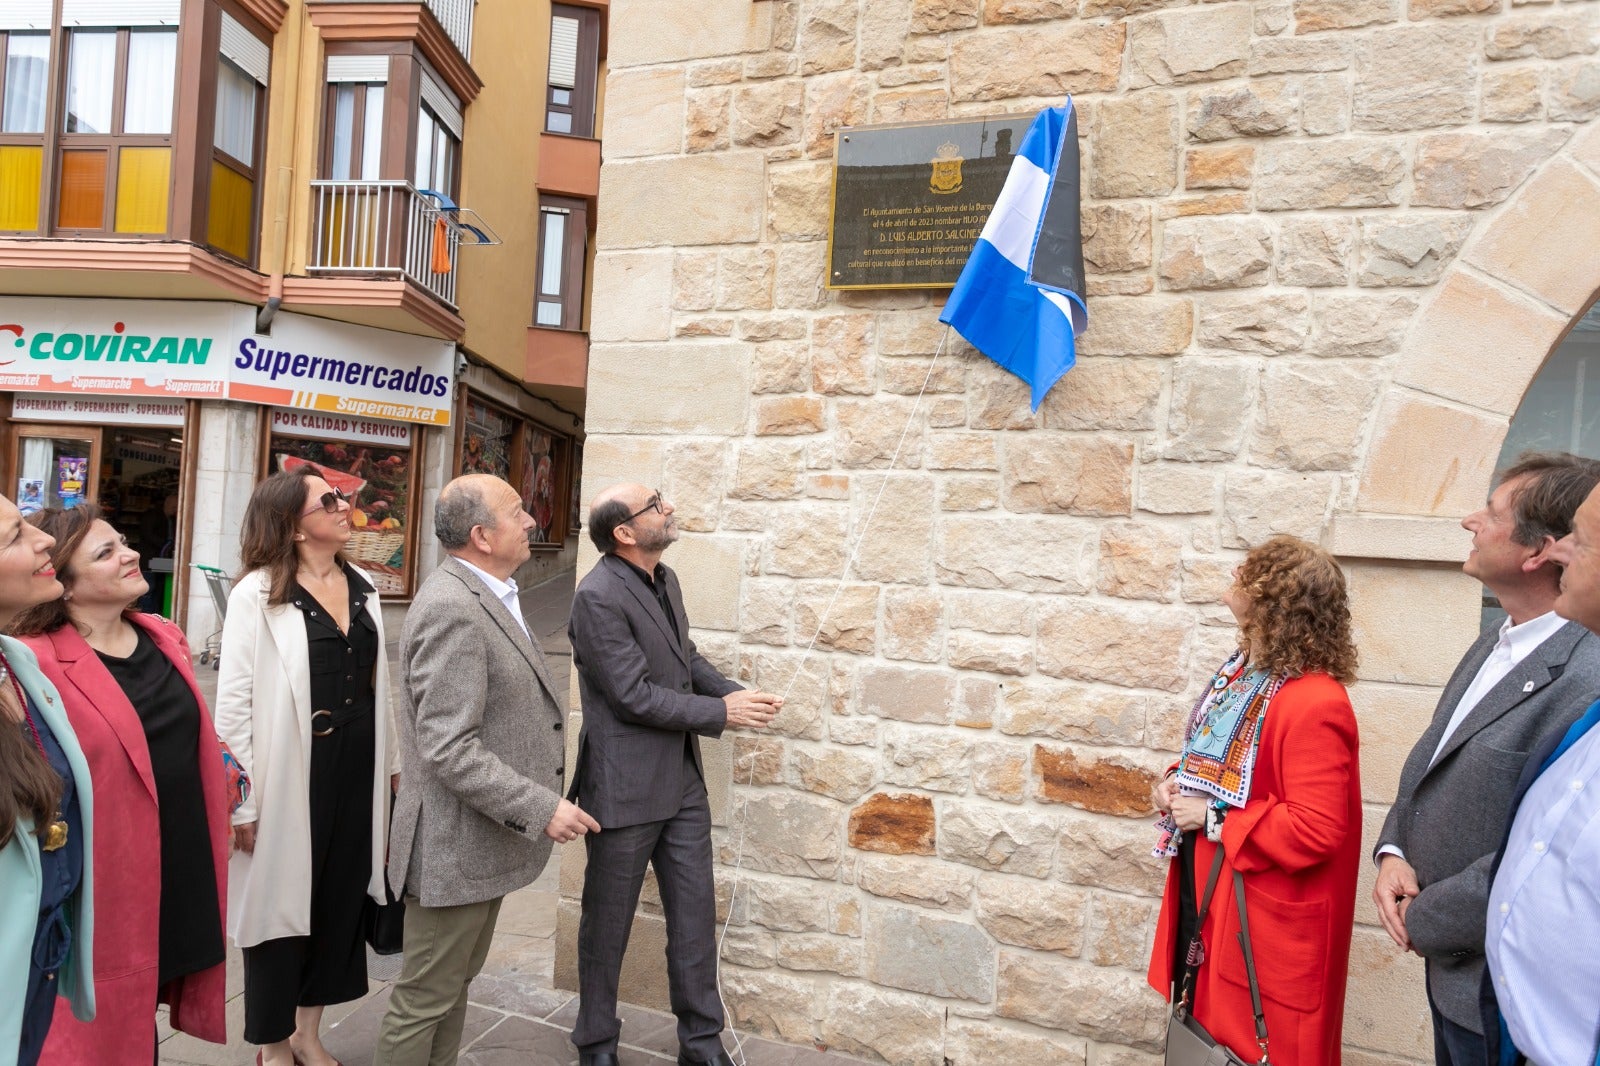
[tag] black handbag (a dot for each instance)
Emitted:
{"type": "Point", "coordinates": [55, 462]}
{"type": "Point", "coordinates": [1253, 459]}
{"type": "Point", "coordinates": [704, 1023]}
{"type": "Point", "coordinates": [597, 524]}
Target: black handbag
{"type": "Point", "coordinates": [385, 925]}
{"type": "Point", "coordinates": [1188, 1043]}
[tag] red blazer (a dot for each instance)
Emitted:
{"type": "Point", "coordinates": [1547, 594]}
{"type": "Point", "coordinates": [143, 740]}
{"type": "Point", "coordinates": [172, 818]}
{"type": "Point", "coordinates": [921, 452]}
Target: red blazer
{"type": "Point", "coordinates": [127, 859]}
{"type": "Point", "coordinates": [1297, 840]}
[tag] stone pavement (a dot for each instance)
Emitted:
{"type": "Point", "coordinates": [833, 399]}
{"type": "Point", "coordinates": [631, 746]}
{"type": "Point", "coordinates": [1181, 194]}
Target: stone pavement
{"type": "Point", "coordinates": [516, 1016]}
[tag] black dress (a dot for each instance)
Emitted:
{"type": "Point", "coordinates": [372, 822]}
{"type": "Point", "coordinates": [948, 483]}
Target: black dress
{"type": "Point", "coordinates": [329, 965]}
{"type": "Point", "coordinates": [190, 937]}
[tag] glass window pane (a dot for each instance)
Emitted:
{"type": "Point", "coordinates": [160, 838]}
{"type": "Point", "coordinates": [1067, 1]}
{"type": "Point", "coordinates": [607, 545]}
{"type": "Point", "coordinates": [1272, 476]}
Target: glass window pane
{"type": "Point", "coordinates": [152, 70]}
{"type": "Point", "coordinates": [90, 70]}
{"type": "Point", "coordinates": [21, 166]}
{"type": "Point", "coordinates": [83, 189]}
{"type": "Point", "coordinates": [144, 185]}
{"type": "Point", "coordinates": [231, 211]}
{"type": "Point", "coordinates": [558, 122]}
{"type": "Point", "coordinates": [426, 125]}
{"type": "Point", "coordinates": [555, 239]}
{"type": "Point", "coordinates": [236, 113]}
{"type": "Point", "coordinates": [561, 96]}
{"type": "Point", "coordinates": [372, 135]}
{"type": "Point", "coordinates": [344, 111]}
{"type": "Point", "coordinates": [549, 313]}
{"type": "Point", "coordinates": [27, 82]}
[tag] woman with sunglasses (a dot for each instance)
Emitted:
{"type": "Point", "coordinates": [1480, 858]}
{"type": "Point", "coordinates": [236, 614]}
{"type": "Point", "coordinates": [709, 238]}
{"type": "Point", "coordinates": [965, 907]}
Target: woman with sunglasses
{"type": "Point", "coordinates": [303, 701]}
{"type": "Point", "coordinates": [46, 853]}
{"type": "Point", "coordinates": [161, 851]}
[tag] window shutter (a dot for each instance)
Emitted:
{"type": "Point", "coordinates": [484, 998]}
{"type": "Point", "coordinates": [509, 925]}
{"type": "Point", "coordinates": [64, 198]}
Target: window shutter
{"type": "Point", "coordinates": [563, 52]}
{"type": "Point", "coordinates": [25, 15]}
{"type": "Point", "coordinates": [76, 13]}
{"type": "Point", "coordinates": [368, 70]}
{"type": "Point", "coordinates": [248, 52]}
{"type": "Point", "coordinates": [441, 100]}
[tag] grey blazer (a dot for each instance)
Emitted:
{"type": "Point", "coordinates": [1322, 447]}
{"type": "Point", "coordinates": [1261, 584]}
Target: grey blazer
{"type": "Point", "coordinates": [1449, 818]}
{"type": "Point", "coordinates": [479, 724]}
{"type": "Point", "coordinates": [646, 694]}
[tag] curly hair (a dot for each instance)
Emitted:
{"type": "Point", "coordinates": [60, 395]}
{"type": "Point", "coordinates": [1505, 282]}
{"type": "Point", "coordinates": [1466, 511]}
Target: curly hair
{"type": "Point", "coordinates": [1299, 616]}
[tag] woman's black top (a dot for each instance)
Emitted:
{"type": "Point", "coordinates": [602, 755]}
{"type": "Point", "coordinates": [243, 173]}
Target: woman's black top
{"type": "Point", "coordinates": [341, 663]}
{"type": "Point", "coordinates": [190, 938]}
{"type": "Point", "coordinates": [61, 870]}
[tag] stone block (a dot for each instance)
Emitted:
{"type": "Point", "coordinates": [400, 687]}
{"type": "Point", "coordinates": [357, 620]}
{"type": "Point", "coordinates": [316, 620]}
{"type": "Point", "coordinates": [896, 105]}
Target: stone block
{"type": "Point", "coordinates": [1027, 914]}
{"type": "Point", "coordinates": [1411, 78]}
{"type": "Point", "coordinates": [1062, 474]}
{"type": "Point", "coordinates": [1409, 249]}
{"type": "Point", "coordinates": [1311, 175]}
{"type": "Point", "coordinates": [1116, 394]}
{"type": "Point", "coordinates": [855, 731]}
{"type": "Point", "coordinates": [1286, 55]}
{"type": "Point", "coordinates": [962, 451]}
{"type": "Point", "coordinates": [1575, 92]}
{"type": "Point", "coordinates": [1361, 326]}
{"type": "Point", "coordinates": [1514, 94]}
{"type": "Point", "coordinates": [758, 760]}
{"type": "Point", "coordinates": [644, 112]}
{"type": "Point", "coordinates": [1139, 561]}
{"type": "Point", "coordinates": [1260, 504]}
{"type": "Point", "coordinates": [1131, 325]}
{"type": "Point", "coordinates": [1000, 12]}
{"type": "Point", "coordinates": [1014, 842]}
{"type": "Point", "coordinates": [744, 279]}
{"type": "Point", "coordinates": [804, 681]}
{"type": "Point", "coordinates": [1424, 9]}
{"type": "Point", "coordinates": [781, 366]}
{"type": "Point", "coordinates": [1108, 784]}
{"type": "Point", "coordinates": [911, 625]}
{"type": "Point", "coordinates": [1191, 44]}
{"type": "Point", "coordinates": [798, 202]}
{"type": "Point", "coordinates": [694, 280]}
{"type": "Point", "coordinates": [788, 833]}
{"type": "Point", "coordinates": [1460, 170]}
{"type": "Point", "coordinates": [933, 762]}
{"type": "Point", "coordinates": [838, 774]}
{"type": "Point", "coordinates": [1315, 251]}
{"type": "Point", "coordinates": [873, 433]}
{"type": "Point", "coordinates": [1175, 488]}
{"type": "Point", "coordinates": [1134, 146]}
{"type": "Point", "coordinates": [766, 608]}
{"type": "Point", "coordinates": [769, 470]}
{"type": "Point", "coordinates": [860, 1019]}
{"type": "Point", "coordinates": [1119, 644]}
{"type": "Point", "coordinates": [720, 200]}
{"type": "Point", "coordinates": [1313, 16]}
{"type": "Point", "coordinates": [1005, 552]}
{"type": "Point", "coordinates": [1411, 622]}
{"type": "Point", "coordinates": [707, 119]}
{"type": "Point", "coordinates": [942, 16]}
{"type": "Point", "coordinates": [1215, 253]}
{"type": "Point", "coordinates": [978, 1041]}
{"type": "Point", "coordinates": [1545, 35]}
{"type": "Point", "coordinates": [830, 955]}
{"type": "Point", "coordinates": [894, 823]}
{"type": "Point", "coordinates": [842, 359]}
{"type": "Point", "coordinates": [993, 655]}
{"type": "Point", "coordinates": [786, 906]}
{"type": "Point", "coordinates": [1391, 718]}
{"type": "Point", "coordinates": [1553, 218]}
{"type": "Point", "coordinates": [1121, 8]}
{"type": "Point", "coordinates": [1120, 932]}
{"type": "Point", "coordinates": [1109, 854]}
{"type": "Point", "coordinates": [1254, 324]}
{"type": "Point", "coordinates": [843, 619]}
{"type": "Point", "coordinates": [893, 523]}
{"type": "Point", "coordinates": [698, 388]}
{"type": "Point", "coordinates": [832, 101]}
{"type": "Point", "coordinates": [1219, 167]}
{"type": "Point", "coordinates": [802, 269]}
{"type": "Point", "coordinates": [922, 952]}
{"type": "Point", "coordinates": [1000, 772]}
{"type": "Point", "coordinates": [1084, 1000]}
{"type": "Point", "coordinates": [1207, 398]}
{"type": "Point", "coordinates": [990, 612]}
{"type": "Point", "coordinates": [1116, 237]}
{"type": "Point", "coordinates": [772, 1004]}
{"type": "Point", "coordinates": [1050, 60]}
{"type": "Point", "coordinates": [1262, 107]}
{"type": "Point", "coordinates": [609, 460]}
{"type": "Point", "coordinates": [720, 28]}
{"type": "Point", "coordinates": [828, 36]}
{"type": "Point", "coordinates": [1311, 416]}
{"type": "Point", "coordinates": [1429, 458]}
{"type": "Point", "coordinates": [1389, 1011]}
{"type": "Point", "coordinates": [920, 881]}
{"type": "Point", "coordinates": [695, 482]}
{"type": "Point", "coordinates": [1038, 707]}
{"type": "Point", "coordinates": [882, 33]}
{"type": "Point", "coordinates": [979, 696]}
{"type": "Point", "coordinates": [907, 694]}
{"type": "Point", "coordinates": [969, 494]}
{"type": "Point", "coordinates": [806, 543]}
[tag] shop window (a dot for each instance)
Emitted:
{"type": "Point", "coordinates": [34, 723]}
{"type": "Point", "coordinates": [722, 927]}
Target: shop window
{"type": "Point", "coordinates": [487, 440]}
{"type": "Point", "coordinates": [574, 69]}
{"type": "Point", "coordinates": [536, 460]}
{"type": "Point", "coordinates": [235, 142]}
{"type": "Point", "coordinates": [563, 237]}
{"type": "Point", "coordinates": [24, 89]}
{"type": "Point", "coordinates": [542, 482]}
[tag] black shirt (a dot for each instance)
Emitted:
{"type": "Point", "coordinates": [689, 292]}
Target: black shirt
{"type": "Point", "coordinates": [658, 588]}
{"type": "Point", "coordinates": [190, 936]}
{"type": "Point", "coordinates": [341, 663]}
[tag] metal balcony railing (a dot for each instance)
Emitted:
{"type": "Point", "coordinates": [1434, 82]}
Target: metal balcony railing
{"type": "Point", "coordinates": [383, 228]}
{"type": "Point", "coordinates": [456, 18]}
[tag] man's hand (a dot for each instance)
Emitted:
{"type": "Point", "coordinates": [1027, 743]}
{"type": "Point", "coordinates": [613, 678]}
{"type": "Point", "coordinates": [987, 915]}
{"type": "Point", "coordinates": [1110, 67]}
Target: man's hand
{"type": "Point", "coordinates": [244, 837]}
{"type": "Point", "coordinates": [1189, 812]}
{"type": "Point", "coordinates": [1164, 792]}
{"type": "Point", "coordinates": [569, 822]}
{"type": "Point", "coordinates": [1396, 884]}
{"type": "Point", "coordinates": [750, 708]}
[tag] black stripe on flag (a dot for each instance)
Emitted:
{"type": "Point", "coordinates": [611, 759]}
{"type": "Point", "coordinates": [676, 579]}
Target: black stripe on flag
{"type": "Point", "coordinates": [1057, 262]}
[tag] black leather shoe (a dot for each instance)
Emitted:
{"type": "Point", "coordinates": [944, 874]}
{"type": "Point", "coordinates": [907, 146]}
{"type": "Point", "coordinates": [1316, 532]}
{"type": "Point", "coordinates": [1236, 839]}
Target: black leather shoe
{"type": "Point", "coordinates": [722, 1059]}
{"type": "Point", "coordinates": [597, 1058]}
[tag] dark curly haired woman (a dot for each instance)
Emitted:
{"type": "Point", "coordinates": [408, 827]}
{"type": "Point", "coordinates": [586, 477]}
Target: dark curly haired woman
{"type": "Point", "coordinates": [1269, 775]}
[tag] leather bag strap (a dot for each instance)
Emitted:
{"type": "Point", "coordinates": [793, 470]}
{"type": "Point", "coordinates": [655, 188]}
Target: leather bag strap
{"type": "Point", "coordinates": [1250, 962]}
{"type": "Point", "coordinates": [1196, 952]}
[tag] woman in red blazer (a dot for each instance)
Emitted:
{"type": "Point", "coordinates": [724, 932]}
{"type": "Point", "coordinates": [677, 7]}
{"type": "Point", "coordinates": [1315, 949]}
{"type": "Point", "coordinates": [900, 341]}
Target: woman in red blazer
{"type": "Point", "coordinates": [1269, 773]}
{"type": "Point", "coordinates": [161, 835]}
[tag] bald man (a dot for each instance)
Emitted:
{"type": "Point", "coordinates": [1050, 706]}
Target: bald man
{"type": "Point", "coordinates": [648, 696]}
{"type": "Point", "coordinates": [480, 801]}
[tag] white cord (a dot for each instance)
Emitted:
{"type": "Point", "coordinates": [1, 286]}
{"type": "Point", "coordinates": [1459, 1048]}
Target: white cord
{"type": "Point", "coordinates": [844, 577]}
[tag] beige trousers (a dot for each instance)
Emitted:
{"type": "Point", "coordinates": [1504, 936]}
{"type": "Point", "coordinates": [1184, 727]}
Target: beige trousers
{"type": "Point", "coordinates": [445, 947]}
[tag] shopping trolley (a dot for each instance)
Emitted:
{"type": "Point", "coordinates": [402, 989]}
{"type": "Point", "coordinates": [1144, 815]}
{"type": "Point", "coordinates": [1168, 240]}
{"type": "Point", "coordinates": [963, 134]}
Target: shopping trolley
{"type": "Point", "coordinates": [218, 581]}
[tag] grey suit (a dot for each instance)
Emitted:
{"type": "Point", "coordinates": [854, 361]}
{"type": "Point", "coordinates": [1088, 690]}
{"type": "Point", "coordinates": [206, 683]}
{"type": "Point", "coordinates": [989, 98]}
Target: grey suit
{"type": "Point", "coordinates": [479, 725]}
{"type": "Point", "coordinates": [647, 697]}
{"type": "Point", "coordinates": [1449, 817]}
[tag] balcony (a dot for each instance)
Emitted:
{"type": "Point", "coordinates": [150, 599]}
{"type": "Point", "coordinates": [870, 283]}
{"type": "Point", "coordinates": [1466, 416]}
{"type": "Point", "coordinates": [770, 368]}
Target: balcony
{"type": "Point", "coordinates": [383, 229]}
{"type": "Point", "coordinates": [455, 17]}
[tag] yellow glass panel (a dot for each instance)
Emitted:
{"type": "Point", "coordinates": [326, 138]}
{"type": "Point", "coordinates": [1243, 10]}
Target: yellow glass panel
{"type": "Point", "coordinates": [21, 166]}
{"type": "Point", "coordinates": [144, 187]}
{"type": "Point", "coordinates": [232, 211]}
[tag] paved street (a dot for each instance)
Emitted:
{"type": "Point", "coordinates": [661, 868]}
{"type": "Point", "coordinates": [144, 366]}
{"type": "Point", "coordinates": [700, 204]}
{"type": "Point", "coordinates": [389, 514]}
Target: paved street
{"type": "Point", "coordinates": [516, 1016]}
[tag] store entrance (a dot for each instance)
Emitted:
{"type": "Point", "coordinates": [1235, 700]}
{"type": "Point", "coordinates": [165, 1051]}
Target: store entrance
{"type": "Point", "coordinates": [132, 472]}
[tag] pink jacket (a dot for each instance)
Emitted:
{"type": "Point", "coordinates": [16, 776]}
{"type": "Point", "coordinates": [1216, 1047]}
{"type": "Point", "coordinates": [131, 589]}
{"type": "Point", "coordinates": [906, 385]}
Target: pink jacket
{"type": "Point", "coordinates": [127, 859]}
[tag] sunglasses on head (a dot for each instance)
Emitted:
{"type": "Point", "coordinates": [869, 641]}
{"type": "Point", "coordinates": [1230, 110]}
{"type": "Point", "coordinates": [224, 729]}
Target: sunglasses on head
{"type": "Point", "coordinates": [328, 501]}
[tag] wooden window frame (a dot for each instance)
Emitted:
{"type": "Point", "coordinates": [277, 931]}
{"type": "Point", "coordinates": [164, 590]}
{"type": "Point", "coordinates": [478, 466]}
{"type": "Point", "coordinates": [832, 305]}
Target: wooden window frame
{"type": "Point", "coordinates": [561, 526]}
{"type": "Point", "coordinates": [41, 140]}
{"type": "Point", "coordinates": [454, 191]}
{"type": "Point", "coordinates": [358, 120]}
{"type": "Point", "coordinates": [587, 75]}
{"type": "Point", "coordinates": [209, 153]}
{"type": "Point", "coordinates": [574, 262]}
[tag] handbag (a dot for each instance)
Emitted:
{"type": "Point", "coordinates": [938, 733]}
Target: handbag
{"type": "Point", "coordinates": [385, 925]}
{"type": "Point", "coordinates": [237, 781]}
{"type": "Point", "coordinates": [1188, 1043]}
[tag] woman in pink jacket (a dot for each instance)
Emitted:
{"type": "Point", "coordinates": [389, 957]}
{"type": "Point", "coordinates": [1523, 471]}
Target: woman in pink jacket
{"type": "Point", "coordinates": [161, 838]}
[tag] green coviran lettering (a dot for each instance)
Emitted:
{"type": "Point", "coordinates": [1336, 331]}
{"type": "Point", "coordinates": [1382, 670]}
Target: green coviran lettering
{"type": "Point", "coordinates": [116, 348]}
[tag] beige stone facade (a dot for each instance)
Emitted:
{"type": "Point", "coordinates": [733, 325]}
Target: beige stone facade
{"type": "Point", "coordinates": [1329, 243]}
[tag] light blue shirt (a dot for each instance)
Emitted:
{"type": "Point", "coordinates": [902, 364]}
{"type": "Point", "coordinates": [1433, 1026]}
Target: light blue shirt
{"type": "Point", "coordinates": [504, 591]}
{"type": "Point", "coordinates": [1544, 914]}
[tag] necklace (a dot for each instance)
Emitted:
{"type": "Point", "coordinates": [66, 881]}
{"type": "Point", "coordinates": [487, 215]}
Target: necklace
{"type": "Point", "coordinates": [55, 834]}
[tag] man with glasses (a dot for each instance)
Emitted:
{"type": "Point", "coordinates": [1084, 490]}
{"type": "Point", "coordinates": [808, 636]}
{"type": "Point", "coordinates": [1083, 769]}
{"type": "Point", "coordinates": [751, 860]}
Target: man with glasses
{"type": "Point", "coordinates": [648, 696]}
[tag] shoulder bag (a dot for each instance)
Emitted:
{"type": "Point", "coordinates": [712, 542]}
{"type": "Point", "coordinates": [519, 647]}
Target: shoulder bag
{"type": "Point", "coordinates": [1188, 1043]}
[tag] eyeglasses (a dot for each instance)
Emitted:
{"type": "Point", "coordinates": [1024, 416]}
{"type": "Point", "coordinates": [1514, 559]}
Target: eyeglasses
{"type": "Point", "coordinates": [328, 501]}
{"type": "Point", "coordinates": [654, 504]}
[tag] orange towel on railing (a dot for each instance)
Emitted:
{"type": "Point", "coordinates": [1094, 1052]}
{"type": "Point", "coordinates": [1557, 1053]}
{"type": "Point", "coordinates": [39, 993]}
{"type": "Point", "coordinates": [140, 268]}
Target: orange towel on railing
{"type": "Point", "coordinates": [441, 246]}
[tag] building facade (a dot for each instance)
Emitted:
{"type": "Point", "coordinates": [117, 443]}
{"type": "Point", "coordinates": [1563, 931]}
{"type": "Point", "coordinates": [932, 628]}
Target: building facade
{"type": "Point", "coordinates": [1336, 248]}
{"type": "Point", "coordinates": [242, 235]}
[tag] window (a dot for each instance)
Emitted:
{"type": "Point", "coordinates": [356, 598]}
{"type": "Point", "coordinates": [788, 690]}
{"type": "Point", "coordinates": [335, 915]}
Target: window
{"type": "Point", "coordinates": [563, 239]}
{"type": "Point", "coordinates": [236, 140]}
{"type": "Point", "coordinates": [27, 65]}
{"type": "Point", "coordinates": [437, 153]}
{"type": "Point", "coordinates": [355, 131]}
{"type": "Point", "coordinates": [574, 67]}
{"type": "Point", "coordinates": [24, 89]}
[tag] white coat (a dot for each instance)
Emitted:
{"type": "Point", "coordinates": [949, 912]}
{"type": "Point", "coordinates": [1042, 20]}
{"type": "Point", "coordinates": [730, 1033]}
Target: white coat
{"type": "Point", "coordinates": [263, 710]}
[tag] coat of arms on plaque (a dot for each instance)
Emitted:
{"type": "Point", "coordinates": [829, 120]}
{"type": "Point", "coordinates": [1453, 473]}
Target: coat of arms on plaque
{"type": "Point", "coordinates": [946, 178]}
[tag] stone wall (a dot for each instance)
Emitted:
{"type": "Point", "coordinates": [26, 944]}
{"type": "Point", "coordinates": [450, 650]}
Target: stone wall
{"type": "Point", "coordinates": [1329, 243]}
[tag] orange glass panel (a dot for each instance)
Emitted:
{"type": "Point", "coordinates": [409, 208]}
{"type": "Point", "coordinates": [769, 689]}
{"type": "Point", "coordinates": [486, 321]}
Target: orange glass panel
{"type": "Point", "coordinates": [83, 189]}
{"type": "Point", "coordinates": [232, 211]}
{"type": "Point", "coordinates": [20, 168]}
{"type": "Point", "coordinates": [144, 185]}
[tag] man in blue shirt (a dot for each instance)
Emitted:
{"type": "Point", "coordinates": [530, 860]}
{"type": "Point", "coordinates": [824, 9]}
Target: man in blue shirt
{"type": "Point", "coordinates": [1544, 903]}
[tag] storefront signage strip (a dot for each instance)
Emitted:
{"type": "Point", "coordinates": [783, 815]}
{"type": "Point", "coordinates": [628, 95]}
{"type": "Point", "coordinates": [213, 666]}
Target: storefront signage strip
{"type": "Point", "coordinates": [104, 410]}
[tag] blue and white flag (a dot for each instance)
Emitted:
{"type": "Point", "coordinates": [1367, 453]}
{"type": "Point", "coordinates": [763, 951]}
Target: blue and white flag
{"type": "Point", "coordinates": [1019, 299]}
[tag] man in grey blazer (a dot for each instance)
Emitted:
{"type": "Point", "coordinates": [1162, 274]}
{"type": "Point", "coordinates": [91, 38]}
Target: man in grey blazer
{"type": "Point", "coordinates": [480, 739]}
{"type": "Point", "coordinates": [1514, 688]}
{"type": "Point", "coordinates": [648, 696]}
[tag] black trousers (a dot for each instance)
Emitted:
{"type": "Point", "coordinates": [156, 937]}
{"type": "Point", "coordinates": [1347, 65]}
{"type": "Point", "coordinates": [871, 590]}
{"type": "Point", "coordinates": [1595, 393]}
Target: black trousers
{"type": "Point", "coordinates": [330, 964]}
{"type": "Point", "coordinates": [679, 849]}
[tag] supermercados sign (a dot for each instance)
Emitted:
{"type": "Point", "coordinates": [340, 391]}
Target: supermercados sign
{"type": "Point", "coordinates": [180, 349]}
